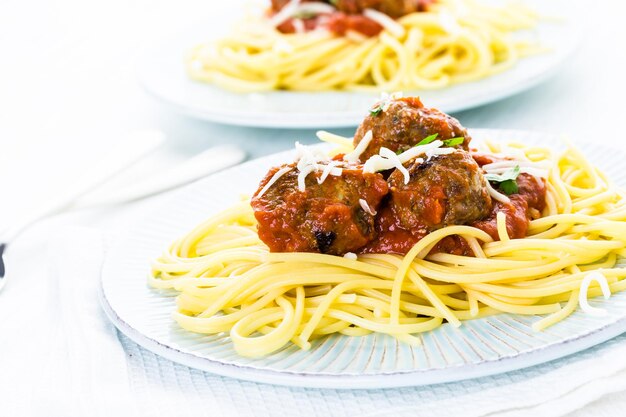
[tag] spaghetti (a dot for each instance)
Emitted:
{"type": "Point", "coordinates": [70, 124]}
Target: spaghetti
{"type": "Point", "coordinates": [453, 41]}
{"type": "Point", "coordinates": [228, 281]}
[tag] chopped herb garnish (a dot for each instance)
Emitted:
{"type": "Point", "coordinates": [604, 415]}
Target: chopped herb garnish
{"type": "Point", "coordinates": [427, 139]}
{"type": "Point", "coordinates": [506, 180]}
{"type": "Point", "coordinates": [334, 2]}
{"type": "Point", "coordinates": [374, 111]}
{"type": "Point", "coordinates": [453, 141]}
{"type": "Point", "coordinates": [509, 187]}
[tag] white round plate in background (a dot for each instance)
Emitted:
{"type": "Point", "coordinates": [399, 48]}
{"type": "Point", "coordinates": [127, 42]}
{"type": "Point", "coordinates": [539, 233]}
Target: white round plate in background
{"type": "Point", "coordinates": [479, 347]}
{"type": "Point", "coordinates": [162, 74]}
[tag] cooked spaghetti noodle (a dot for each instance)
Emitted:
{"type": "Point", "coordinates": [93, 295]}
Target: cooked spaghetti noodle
{"type": "Point", "coordinates": [229, 282]}
{"type": "Point", "coordinates": [454, 41]}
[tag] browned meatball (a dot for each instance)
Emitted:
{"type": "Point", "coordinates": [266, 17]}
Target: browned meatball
{"type": "Point", "coordinates": [445, 190]}
{"type": "Point", "coordinates": [393, 8]}
{"type": "Point", "coordinates": [277, 5]}
{"type": "Point", "coordinates": [404, 124]}
{"type": "Point", "coordinates": [325, 218]}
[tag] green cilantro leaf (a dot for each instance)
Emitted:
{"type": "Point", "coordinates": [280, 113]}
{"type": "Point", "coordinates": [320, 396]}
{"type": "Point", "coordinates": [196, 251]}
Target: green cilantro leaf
{"type": "Point", "coordinates": [453, 141]}
{"type": "Point", "coordinates": [374, 111]}
{"type": "Point", "coordinates": [427, 139]}
{"type": "Point", "coordinates": [509, 187]}
{"type": "Point", "coordinates": [506, 180]}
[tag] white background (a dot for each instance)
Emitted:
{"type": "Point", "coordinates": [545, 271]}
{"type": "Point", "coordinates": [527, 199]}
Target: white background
{"type": "Point", "coordinates": [68, 90]}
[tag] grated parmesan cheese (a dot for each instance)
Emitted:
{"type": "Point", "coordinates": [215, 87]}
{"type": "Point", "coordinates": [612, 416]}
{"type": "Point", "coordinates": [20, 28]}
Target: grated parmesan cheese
{"type": "Point", "coordinates": [390, 25]}
{"type": "Point", "coordinates": [360, 148]}
{"type": "Point", "coordinates": [496, 195]}
{"type": "Point", "coordinates": [285, 13]}
{"type": "Point", "coordinates": [395, 161]}
{"type": "Point", "coordinates": [294, 8]}
{"type": "Point", "coordinates": [376, 163]}
{"type": "Point", "coordinates": [536, 169]}
{"type": "Point", "coordinates": [387, 159]}
{"type": "Point", "coordinates": [309, 161]}
{"type": "Point", "coordinates": [298, 25]}
{"type": "Point", "coordinates": [350, 255]}
{"type": "Point", "coordinates": [438, 151]}
{"type": "Point", "coordinates": [315, 7]}
{"type": "Point", "coordinates": [584, 288]}
{"type": "Point", "coordinates": [419, 150]}
{"type": "Point", "coordinates": [330, 169]}
{"type": "Point", "coordinates": [388, 98]}
{"type": "Point", "coordinates": [274, 178]}
{"type": "Point", "coordinates": [304, 172]}
{"type": "Point", "coordinates": [366, 207]}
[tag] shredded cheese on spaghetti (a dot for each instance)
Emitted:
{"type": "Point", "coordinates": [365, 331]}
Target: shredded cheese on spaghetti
{"type": "Point", "coordinates": [262, 295]}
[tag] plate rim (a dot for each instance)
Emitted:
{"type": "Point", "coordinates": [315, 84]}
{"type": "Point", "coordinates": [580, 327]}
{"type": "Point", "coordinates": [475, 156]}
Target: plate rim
{"type": "Point", "coordinates": [394, 379]}
{"type": "Point", "coordinates": [381, 380]}
{"type": "Point", "coordinates": [335, 119]}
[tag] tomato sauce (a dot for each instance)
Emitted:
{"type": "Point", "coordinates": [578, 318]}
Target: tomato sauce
{"type": "Point", "coordinates": [337, 22]}
{"type": "Point", "coordinates": [391, 237]}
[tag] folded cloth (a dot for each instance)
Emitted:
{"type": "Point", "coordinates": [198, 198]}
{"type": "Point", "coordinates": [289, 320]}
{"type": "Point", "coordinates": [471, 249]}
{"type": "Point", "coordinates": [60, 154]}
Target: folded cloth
{"type": "Point", "coordinates": [86, 367]}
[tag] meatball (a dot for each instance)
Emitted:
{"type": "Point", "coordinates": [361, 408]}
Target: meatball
{"type": "Point", "coordinates": [277, 5]}
{"type": "Point", "coordinates": [334, 217]}
{"type": "Point", "coordinates": [404, 123]}
{"type": "Point", "coordinates": [393, 8]}
{"type": "Point", "coordinates": [445, 190]}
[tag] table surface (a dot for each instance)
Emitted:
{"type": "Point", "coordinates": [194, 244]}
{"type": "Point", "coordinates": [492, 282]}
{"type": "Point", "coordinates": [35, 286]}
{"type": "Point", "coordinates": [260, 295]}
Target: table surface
{"type": "Point", "coordinates": [68, 91]}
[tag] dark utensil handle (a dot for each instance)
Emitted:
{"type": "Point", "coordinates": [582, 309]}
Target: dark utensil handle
{"type": "Point", "coordinates": [2, 247]}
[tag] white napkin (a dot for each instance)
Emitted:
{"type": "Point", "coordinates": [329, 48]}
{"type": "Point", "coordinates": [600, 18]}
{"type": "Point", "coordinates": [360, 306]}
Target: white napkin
{"type": "Point", "coordinates": [74, 363]}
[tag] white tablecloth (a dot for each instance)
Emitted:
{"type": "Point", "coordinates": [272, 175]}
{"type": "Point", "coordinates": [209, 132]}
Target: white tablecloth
{"type": "Point", "coordinates": [67, 91]}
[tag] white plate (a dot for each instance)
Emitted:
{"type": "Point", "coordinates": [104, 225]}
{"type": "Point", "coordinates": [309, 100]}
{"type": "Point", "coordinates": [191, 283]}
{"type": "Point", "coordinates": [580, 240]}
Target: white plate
{"type": "Point", "coordinates": [478, 348]}
{"type": "Point", "coordinates": [161, 72]}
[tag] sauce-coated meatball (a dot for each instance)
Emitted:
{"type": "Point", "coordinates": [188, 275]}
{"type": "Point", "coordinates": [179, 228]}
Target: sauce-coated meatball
{"type": "Point", "coordinates": [404, 123]}
{"type": "Point", "coordinates": [445, 190]}
{"type": "Point", "coordinates": [325, 218]}
{"type": "Point", "coordinates": [393, 8]}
